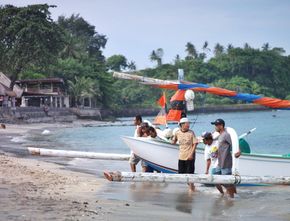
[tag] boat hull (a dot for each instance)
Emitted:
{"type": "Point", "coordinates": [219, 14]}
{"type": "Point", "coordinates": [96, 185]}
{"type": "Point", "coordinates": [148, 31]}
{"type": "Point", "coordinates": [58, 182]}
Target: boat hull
{"type": "Point", "coordinates": [163, 156]}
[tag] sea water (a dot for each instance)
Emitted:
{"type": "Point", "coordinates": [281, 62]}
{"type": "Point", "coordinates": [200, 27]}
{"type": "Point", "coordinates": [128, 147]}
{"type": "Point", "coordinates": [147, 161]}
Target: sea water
{"type": "Point", "coordinates": [272, 136]}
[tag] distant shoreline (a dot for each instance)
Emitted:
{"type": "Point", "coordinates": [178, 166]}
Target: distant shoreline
{"type": "Point", "coordinates": [130, 112]}
{"type": "Point", "coordinates": [69, 115]}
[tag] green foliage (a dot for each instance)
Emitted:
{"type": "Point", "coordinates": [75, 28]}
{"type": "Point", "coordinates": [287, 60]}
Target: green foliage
{"type": "Point", "coordinates": [81, 37]}
{"type": "Point", "coordinates": [28, 38]}
{"type": "Point", "coordinates": [33, 46]}
{"type": "Point", "coordinates": [117, 62]}
{"type": "Point", "coordinates": [83, 87]}
{"type": "Point", "coordinates": [30, 74]}
{"type": "Point", "coordinates": [236, 83]}
{"type": "Point", "coordinates": [287, 97]}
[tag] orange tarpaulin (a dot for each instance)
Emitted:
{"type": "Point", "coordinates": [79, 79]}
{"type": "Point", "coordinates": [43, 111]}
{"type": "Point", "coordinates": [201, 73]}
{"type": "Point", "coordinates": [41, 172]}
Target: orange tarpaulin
{"type": "Point", "coordinates": [162, 101]}
{"type": "Point", "coordinates": [160, 118]}
{"type": "Point", "coordinates": [178, 96]}
{"type": "Point", "coordinates": [174, 115]}
{"type": "Point", "coordinates": [273, 102]}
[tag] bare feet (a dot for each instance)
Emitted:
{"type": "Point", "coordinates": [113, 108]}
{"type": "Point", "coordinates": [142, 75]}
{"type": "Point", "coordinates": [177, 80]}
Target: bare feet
{"type": "Point", "coordinates": [191, 187]}
{"type": "Point", "coordinates": [108, 175]}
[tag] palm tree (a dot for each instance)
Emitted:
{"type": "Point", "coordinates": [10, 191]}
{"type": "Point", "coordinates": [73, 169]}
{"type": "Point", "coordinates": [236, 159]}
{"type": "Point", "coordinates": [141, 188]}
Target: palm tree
{"type": "Point", "coordinates": [247, 46]}
{"type": "Point", "coordinates": [72, 47]}
{"type": "Point", "coordinates": [131, 66]}
{"type": "Point", "coordinates": [177, 59]}
{"type": "Point", "coordinates": [205, 47]}
{"type": "Point", "coordinates": [218, 49]}
{"type": "Point", "coordinates": [159, 53]}
{"type": "Point", "coordinates": [83, 88]}
{"type": "Point", "coordinates": [153, 56]}
{"type": "Point", "coordinates": [157, 56]}
{"type": "Point", "coordinates": [191, 51]}
{"type": "Point", "coordinates": [266, 46]}
{"type": "Point", "coordinates": [230, 47]}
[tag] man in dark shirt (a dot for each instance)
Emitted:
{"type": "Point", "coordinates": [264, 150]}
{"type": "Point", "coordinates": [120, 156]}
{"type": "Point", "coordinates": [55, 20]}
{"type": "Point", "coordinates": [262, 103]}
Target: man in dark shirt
{"type": "Point", "coordinates": [225, 161]}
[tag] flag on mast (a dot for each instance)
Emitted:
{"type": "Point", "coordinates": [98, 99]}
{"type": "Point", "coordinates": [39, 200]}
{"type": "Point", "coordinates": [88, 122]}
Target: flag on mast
{"type": "Point", "coordinates": [160, 119]}
{"type": "Point", "coordinates": [162, 100]}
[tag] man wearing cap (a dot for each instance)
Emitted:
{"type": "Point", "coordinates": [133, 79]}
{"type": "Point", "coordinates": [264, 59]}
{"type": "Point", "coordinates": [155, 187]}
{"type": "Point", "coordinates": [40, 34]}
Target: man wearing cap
{"type": "Point", "coordinates": [225, 161]}
{"type": "Point", "coordinates": [187, 145]}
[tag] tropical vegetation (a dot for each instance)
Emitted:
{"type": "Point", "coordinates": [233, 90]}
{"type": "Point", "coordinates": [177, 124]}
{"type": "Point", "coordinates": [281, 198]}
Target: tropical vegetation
{"type": "Point", "coordinates": [32, 45]}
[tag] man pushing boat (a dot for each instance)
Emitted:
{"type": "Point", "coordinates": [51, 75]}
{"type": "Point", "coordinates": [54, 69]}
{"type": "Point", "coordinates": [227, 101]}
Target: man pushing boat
{"type": "Point", "coordinates": [225, 161]}
{"type": "Point", "coordinates": [187, 145]}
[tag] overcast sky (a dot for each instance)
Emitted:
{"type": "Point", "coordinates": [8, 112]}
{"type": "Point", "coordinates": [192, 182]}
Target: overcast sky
{"type": "Point", "coordinates": [134, 28]}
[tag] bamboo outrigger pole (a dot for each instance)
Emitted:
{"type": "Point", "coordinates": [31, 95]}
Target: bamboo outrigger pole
{"type": "Point", "coordinates": [142, 79]}
{"type": "Point", "coordinates": [193, 178]}
{"type": "Point", "coordinates": [77, 154]}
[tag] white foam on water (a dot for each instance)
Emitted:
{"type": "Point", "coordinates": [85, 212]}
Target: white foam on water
{"type": "Point", "coordinates": [46, 132]}
{"type": "Point", "coordinates": [20, 139]}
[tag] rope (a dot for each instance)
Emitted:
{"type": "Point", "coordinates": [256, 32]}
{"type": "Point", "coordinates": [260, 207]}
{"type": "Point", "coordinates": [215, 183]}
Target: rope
{"type": "Point", "coordinates": [238, 179]}
{"type": "Point", "coordinates": [202, 108]}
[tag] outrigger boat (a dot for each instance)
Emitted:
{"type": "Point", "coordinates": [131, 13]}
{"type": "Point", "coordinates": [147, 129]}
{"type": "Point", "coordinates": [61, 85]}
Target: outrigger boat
{"type": "Point", "coordinates": [163, 156]}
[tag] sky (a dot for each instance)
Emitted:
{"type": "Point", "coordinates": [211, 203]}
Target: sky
{"type": "Point", "coordinates": [136, 27]}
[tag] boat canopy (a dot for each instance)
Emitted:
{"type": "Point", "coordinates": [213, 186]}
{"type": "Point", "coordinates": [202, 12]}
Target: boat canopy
{"type": "Point", "coordinates": [274, 103]}
{"type": "Point", "coordinates": [269, 102]}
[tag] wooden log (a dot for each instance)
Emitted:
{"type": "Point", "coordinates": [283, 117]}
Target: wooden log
{"type": "Point", "coordinates": [77, 154]}
{"type": "Point", "coordinates": [193, 178]}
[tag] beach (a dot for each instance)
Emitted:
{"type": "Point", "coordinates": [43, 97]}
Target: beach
{"type": "Point", "coordinates": [43, 188]}
{"type": "Point", "coordinates": [34, 188]}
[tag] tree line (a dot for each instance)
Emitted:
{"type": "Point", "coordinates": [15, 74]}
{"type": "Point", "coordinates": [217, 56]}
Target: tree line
{"type": "Point", "coordinates": [32, 45]}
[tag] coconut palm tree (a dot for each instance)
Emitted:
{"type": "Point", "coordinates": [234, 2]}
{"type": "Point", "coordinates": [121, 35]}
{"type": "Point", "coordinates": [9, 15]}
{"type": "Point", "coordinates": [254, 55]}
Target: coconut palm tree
{"type": "Point", "coordinates": [205, 47]}
{"type": "Point", "coordinates": [177, 59]}
{"type": "Point", "coordinates": [131, 66]}
{"type": "Point", "coordinates": [247, 46]}
{"type": "Point", "coordinates": [157, 56]}
{"type": "Point", "coordinates": [83, 88]}
{"type": "Point", "coordinates": [266, 46]}
{"type": "Point", "coordinates": [230, 47]}
{"type": "Point", "coordinates": [191, 50]}
{"type": "Point", "coordinates": [218, 49]}
{"type": "Point", "coordinates": [72, 48]}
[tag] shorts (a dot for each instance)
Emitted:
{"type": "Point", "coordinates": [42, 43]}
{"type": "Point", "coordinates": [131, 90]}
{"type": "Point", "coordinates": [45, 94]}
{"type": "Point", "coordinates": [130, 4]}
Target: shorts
{"type": "Point", "coordinates": [222, 171]}
{"type": "Point", "coordinates": [186, 166]}
{"type": "Point", "coordinates": [134, 159]}
{"type": "Point", "coordinates": [214, 171]}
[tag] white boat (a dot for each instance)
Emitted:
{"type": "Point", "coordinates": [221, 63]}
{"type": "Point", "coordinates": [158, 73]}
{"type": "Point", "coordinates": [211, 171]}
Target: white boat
{"type": "Point", "coordinates": [163, 156]}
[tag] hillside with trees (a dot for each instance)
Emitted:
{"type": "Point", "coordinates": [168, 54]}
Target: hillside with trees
{"type": "Point", "coordinates": [32, 45]}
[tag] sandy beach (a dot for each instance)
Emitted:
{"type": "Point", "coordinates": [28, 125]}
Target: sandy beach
{"type": "Point", "coordinates": [32, 189]}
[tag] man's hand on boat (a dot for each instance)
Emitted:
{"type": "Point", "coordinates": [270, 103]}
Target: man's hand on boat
{"type": "Point", "coordinates": [238, 154]}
